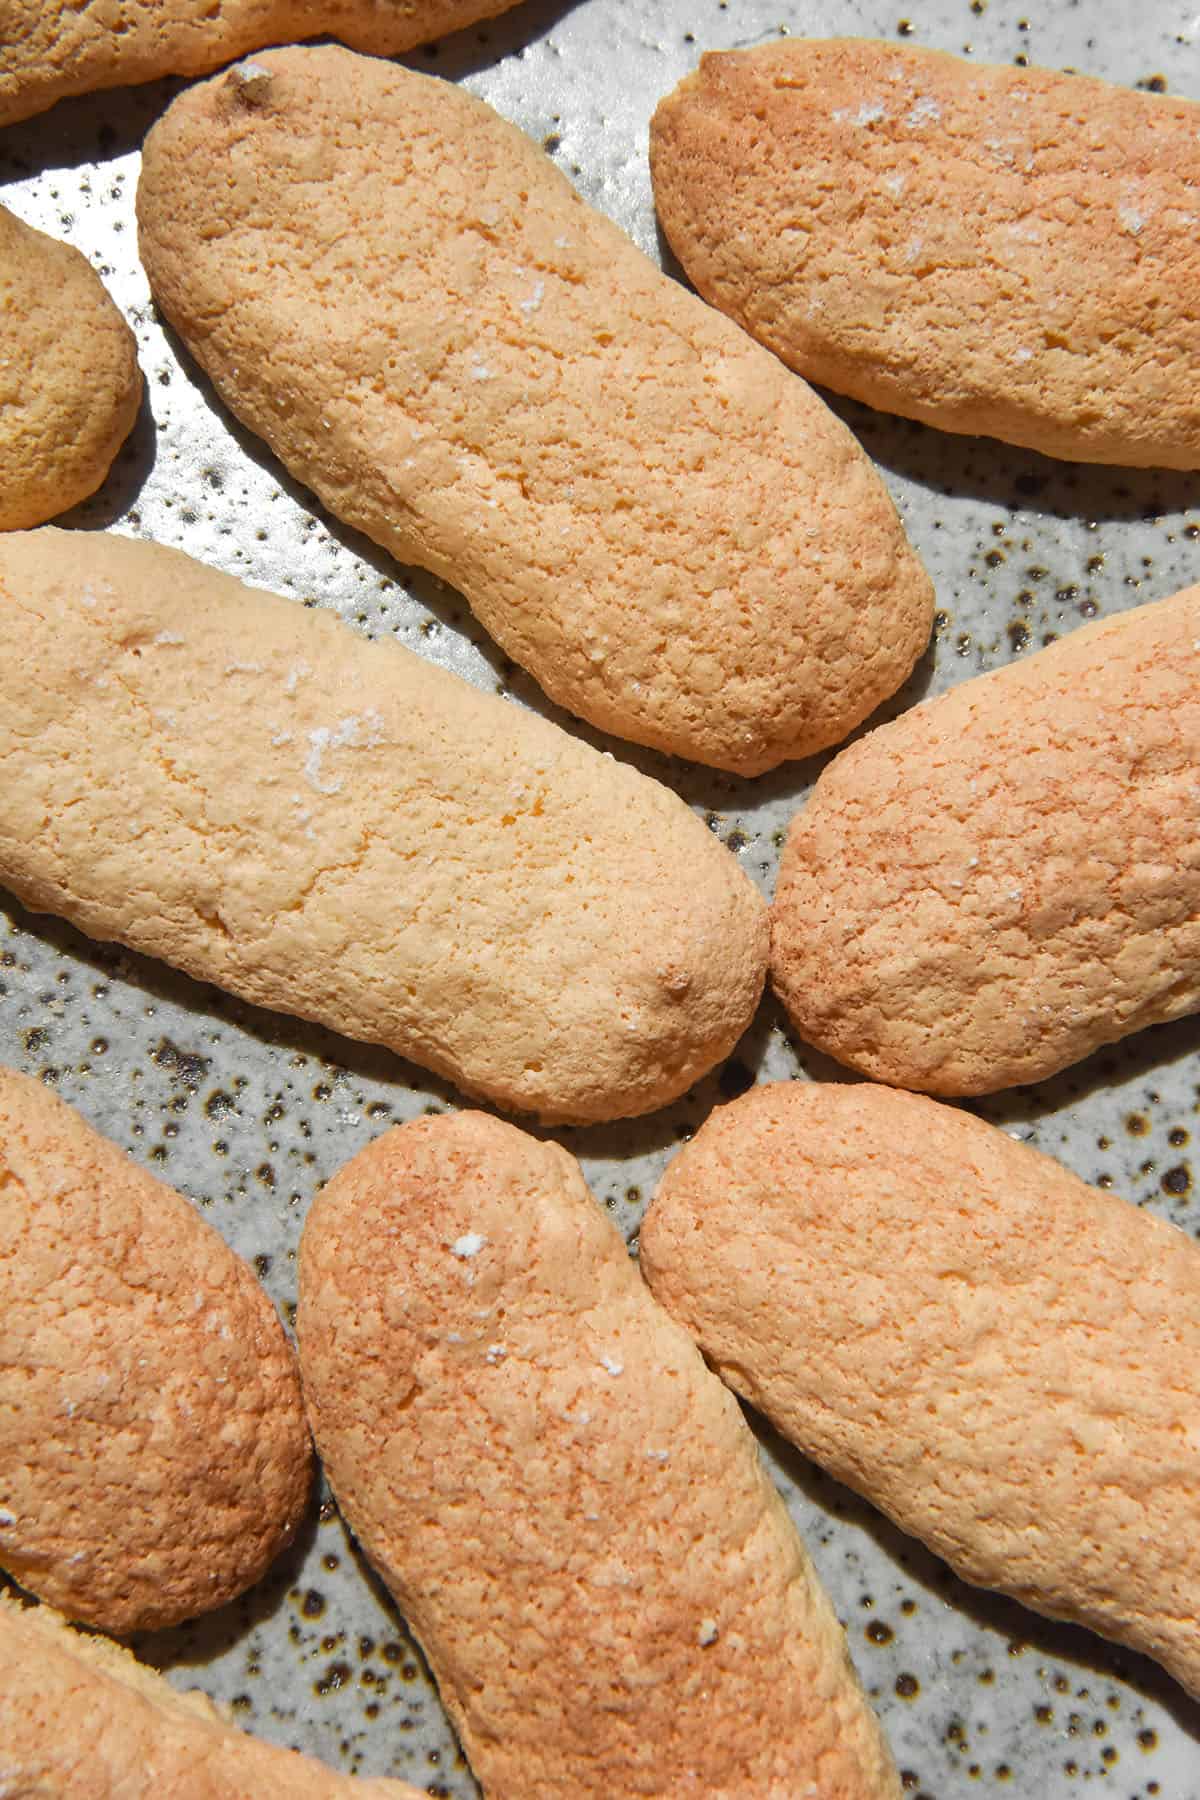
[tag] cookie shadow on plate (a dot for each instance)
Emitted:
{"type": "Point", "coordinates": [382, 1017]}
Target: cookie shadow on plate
{"type": "Point", "coordinates": [477, 48]}
{"type": "Point", "coordinates": [338, 1060]}
{"type": "Point", "coordinates": [116, 497]}
{"type": "Point", "coordinates": [1011, 478]}
{"type": "Point", "coordinates": [85, 128]}
{"type": "Point", "coordinates": [1072, 1645]}
{"type": "Point", "coordinates": [199, 1641]}
{"type": "Point", "coordinates": [405, 1645]}
{"type": "Point", "coordinates": [111, 122]}
{"type": "Point", "coordinates": [206, 1007]}
{"type": "Point", "coordinates": [1157, 1049]}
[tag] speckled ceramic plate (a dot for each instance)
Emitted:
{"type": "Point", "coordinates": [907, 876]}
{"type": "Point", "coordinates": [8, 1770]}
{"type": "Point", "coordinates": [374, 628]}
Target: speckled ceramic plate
{"type": "Point", "coordinates": [248, 1112]}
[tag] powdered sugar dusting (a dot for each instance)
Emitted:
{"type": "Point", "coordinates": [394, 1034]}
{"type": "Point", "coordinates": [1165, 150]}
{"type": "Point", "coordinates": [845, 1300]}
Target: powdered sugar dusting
{"type": "Point", "coordinates": [356, 731]}
{"type": "Point", "coordinates": [923, 111]}
{"type": "Point", "coordinates": [869, 113]}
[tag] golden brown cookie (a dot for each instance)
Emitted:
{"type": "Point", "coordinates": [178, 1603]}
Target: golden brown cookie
{"type": "Point", "coordinates": [1007, 877]}
{"type": "Point", "coordinates": [52, 48]}
{"type": "Point", "coordinates": [568, 1507]}
{"type": "Point", "coordinates": [80, 1719]}
{"type": "Point", "coordinates": [1000, 1357]}
{"type": "Point", "coordinates": [69, 380]}
{"type": "Point", "coordinates": [154, 1456]}
{"type": "Point", "coordinates": [257, 794]}
{"type": "Point", "coordinates": [999, 250]}
{"type": "Point", "coordinates": [402, 295]}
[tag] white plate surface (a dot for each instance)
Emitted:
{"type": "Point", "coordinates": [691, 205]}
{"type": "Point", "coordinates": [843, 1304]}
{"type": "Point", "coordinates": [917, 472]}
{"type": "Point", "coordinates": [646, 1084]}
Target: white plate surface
{"type": "Point", "coordinates": [248, 1112]}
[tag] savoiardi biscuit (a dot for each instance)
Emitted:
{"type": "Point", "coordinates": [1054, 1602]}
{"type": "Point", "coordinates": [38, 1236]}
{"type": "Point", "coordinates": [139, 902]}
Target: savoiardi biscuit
{"type": "Point", "coordinates": [69, 380]}
{"type": "Point", "coordinates": [567, 1505]}
{"type": "Point", "coordinates": [1008, 876]}
{"type": "Point", "coordinates": [81, 1719]}
{"type": "Point", "coordinates": [54, 48]}
{"type": "Point", "coordinates": [1001, 250]}
{"type": "Point", "coordinates": [259, 795]}
{"type": "Point", "coordinates": [397, 290]}
{"type": "Point", "coordinates": [154, 1455]}
{"type": "Point", "coordinates": [1000, 1357]}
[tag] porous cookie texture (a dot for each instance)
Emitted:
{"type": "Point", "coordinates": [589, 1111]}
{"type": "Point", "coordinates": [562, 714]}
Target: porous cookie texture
{"type": "Point", "coordinates": [69, 380]}
{"type": "Point", "coordinates": [80, 1719]}
{"type": "Point", "coordinates": [53, 48]}
{"type": "Point", "coordinates": [1000, 1357]}
{"type": "Point", "coordinates": [399, 291]}
{"type": "Point", "coordinates": [252, 791]}
{"type": "Point", "coordinates": [1007, 877]}
{"type": "Point", "coordinates": [998, 250]}
{"type": "Point", "coordinates": [154, 1455]}
{"type": "Point", "coordinates": [568, 1507]}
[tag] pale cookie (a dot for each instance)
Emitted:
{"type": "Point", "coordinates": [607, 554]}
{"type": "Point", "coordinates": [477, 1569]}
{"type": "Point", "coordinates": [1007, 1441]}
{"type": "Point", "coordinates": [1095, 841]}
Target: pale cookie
{"type": "Point", "coordinates": [69, 380]}
{"type": "Point", "coordinates": [1007, 877]}
{"type": "Point", "coordinates": [1002, 250]}
{"type": "Point", "coordinates": [80, 1719]}
{"type": "Point", "coordinates": [53, 48]}
{"type": "Point", "coordinates": [568, 1507]}
{"type": "Point", "coordinates": [430, 328]}
{"type": "Point", "coordinates": [154, 1456]}
{"type": "Point", "coordinates": [254, 792]}
{"type": "Point", "coordinates": [1004, 1360]}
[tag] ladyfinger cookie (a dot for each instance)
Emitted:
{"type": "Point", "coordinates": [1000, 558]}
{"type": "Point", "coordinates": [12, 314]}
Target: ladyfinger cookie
{"type": "Point", "coordinates": [80, 1719]}
{"type": "Point", "coordinates": [1007, 877]}
{"type": "Point", "coordinates": [252, 791]}
{"type": "Point", "coordinates": [568, 1507]}
{"type": "Point", "coordinates": [997, 250]}
{"type": "Point", "coordinates": [154, 1456]}
{"type": "Point", "coordinates": [1001, 1358]}
{"type": "Point", "coordinates": [53, 48]}
{"type": "Point", "coordinates": [69, 380]}
{"type": "Point", "coordinates": [675, 537]}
